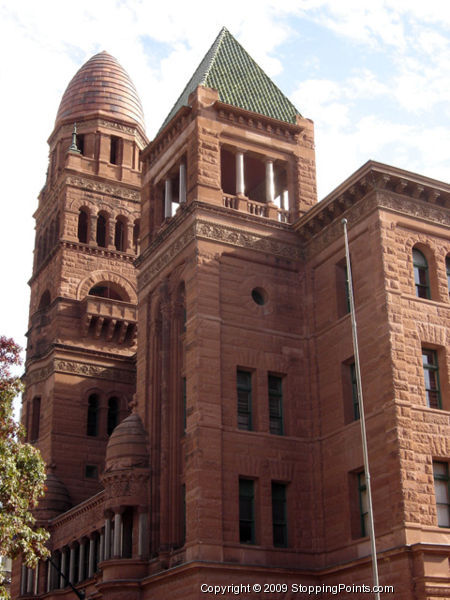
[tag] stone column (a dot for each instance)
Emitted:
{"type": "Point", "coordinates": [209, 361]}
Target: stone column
{"type": "Point", "coordinates": [182, 197]}
{"type": "Point", "coordinates": [107, 541]}
{"type": "Point", "coordinates": [49, 577]}
{"type": "Point", "coordinates": [30, 578]}
{"type": "Point", "coordinates": [143, 534]}
{"type": "Point", "coordinates": [72, 565]}
{"type": "Point", "coordinates": [92, 233]}
{"type": "Point", "coordinates": [240, 176]}
{"type": "Point", "coordinates": [284, 204]}
{"type": "Point", "coordinates": [102, 546]}
{"type": "Point", "coordinates": [168, 198]}
{"type": "Point", "coordinates": [91, 565]}
{"type": "Point", "coordinates": [63, 575]}
{"type": "Point", "coordinates": [110, 232]}
{"type": "Point", "coordinates": [23, 580]}
{"type": "Point", "coordinates": [117, 548]}
{"type": "Point", "coordinates": [129, 238]}
{"type": "Point", "coordinates": [270, 185]}
{"type": "Point", "coordinates": [81, 557]}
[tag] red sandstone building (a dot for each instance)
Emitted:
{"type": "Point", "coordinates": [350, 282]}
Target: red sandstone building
{"type": "Point", "coordinates": [190, 375]}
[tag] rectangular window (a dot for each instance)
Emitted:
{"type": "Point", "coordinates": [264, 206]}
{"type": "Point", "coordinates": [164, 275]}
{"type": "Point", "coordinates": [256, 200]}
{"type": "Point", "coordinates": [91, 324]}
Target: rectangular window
{"type": "Point", "coordinates": [279, 515]}
{"type": "Point", "coordinates": [114, 150]}
{"type": "Point", "coordinates": [442, 493]}
{"type": "Point", "coordinates": [244, 397]}
{"type": "Point", "coordinates": [246, 511]}
{"type": "Point", "coordinates": [363, 504]}
{"type": "Point", "coordinates": [354, 385]}
{"type": "Point", "coordinates": [431, 376]}
{"type": "Point", "coordinates": [275, 385]}
{"type": "Point", "coordinates": [342, 288]}
{"type": "Point", "coordinates": [184, 403]}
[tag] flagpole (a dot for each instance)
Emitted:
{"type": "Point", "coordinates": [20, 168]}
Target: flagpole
{"type": "Point", "coordinates": [361, 414]}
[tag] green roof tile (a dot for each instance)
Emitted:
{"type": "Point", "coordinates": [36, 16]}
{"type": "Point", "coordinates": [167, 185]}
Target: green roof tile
{"type": "Point", "coordinates": [230, 70]}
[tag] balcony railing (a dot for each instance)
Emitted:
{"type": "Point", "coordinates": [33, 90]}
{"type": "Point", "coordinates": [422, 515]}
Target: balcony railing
{"type": "Point", "coordinates": [260, 209]}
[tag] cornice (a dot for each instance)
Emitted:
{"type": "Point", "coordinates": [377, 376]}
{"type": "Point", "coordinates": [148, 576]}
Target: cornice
{"type": "Point", "coordinates": [266, 125]}
{"type": "Point", "coordinates": [373, 186]}
{"type": "Point", "coordinates": [172, 130]}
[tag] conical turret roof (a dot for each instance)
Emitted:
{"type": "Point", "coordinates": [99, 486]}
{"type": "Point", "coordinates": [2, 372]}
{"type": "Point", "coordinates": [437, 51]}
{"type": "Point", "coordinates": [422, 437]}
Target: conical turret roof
{"type": "Point", "coordinates": [101, 86]}
{"type": "Point", "coordinates": [240, 81]}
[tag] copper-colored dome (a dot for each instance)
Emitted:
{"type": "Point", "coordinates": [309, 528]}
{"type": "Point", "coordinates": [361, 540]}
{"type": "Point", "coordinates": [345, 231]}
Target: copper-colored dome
{"type": "Point", "coordinates": [127, 446]}
{"type": "Point", "coordinates": [101, 85]}
{"type": "Point", "coordinates": [56, 499]}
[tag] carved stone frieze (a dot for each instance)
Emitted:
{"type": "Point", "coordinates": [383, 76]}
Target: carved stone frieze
{"type": "Point", "coordinates": [38, 375]}
{"type": "Point", "coordinates": [323, 237]}
{"type": "Point", "coordinates": [97, 371]}
{"type": "Point", "coordinates": [80, 368]}
{"type": "Point", "coordinates": [245, 239]}
{"type": "Point", "coordinates": [97, 186]}
{"type": "Point", "coordinates": [220, 233]}
{"type": "Point", "coordinates": [155, 266]}
{"type": "Point", "coordinates": [423, 210]}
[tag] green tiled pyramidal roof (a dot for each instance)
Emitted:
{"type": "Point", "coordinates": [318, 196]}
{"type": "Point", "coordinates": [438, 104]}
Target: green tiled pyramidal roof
{"type": "Point", "coordinates": [240, 81]}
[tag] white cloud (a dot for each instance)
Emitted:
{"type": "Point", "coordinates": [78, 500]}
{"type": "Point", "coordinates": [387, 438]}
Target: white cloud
{"type": "Point", "coordinates": [44, 43]}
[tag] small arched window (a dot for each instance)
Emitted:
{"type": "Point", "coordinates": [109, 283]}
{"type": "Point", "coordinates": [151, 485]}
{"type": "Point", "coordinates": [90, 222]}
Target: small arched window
{"type": "Point", "coordinates": [44, 302]}
{"type": "Point", "coordinates": [83, 220]}
{"type": "Point", "coordinates": [108, 290]}
{"type": "Point", "coordinates": [92, 415]}
{"type": "Point", "coordinates": [35, 419]}
{"type": "Point", "coordinates": [101, 231]}
{"type": "Point", "coordinates": [113, 414]}
{"type": "Point", "coordinates": [136, 236]}
{"type": "Point", "coordinates": [119, 235]}
{"type": "Point", "coordinates": [421, 279]}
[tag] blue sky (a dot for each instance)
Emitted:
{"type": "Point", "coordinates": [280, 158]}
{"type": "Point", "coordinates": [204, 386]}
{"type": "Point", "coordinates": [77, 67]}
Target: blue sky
{"type": "Point", "coordinates": [373, 76]}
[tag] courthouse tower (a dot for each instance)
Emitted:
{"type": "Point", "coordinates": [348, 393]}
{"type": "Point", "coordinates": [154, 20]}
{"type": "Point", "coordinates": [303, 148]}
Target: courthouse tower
{"type": "Point", "coordinates": [80, 371]}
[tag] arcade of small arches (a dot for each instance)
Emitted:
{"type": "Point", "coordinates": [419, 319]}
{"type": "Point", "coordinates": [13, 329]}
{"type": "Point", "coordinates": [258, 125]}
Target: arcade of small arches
{"type": "Point", "coordinates": [103, 230]}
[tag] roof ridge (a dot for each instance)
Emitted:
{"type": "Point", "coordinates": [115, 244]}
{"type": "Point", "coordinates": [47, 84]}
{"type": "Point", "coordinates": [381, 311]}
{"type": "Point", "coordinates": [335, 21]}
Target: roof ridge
{"type": "Point", "coordinates": [215, 50]}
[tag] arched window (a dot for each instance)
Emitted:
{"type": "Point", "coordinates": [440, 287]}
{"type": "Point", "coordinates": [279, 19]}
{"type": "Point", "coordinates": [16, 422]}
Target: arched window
{"type": "Point", "coordinates": [108, 290]}
{"type": "Point", "coordinates": [35, 419]}
{"type": "Point", "coordinates": [136, 236]}
{"type": "Point", "coordinates": [92, 415]}
{"type": "Point", "coordinates": [83, 220]}
{"type": "Point", "coordinates": [101, 230]}
{"type": "Point", "coordinates": [45, 300]}
{"type": "Point", "coordinates": [119, 235]}
{"type": "Point", "coordinates": [421, 279]}
{"type": "Point", "coordinates": [113, 414]}
{"type": "Point", "coordinates": [447, 266]}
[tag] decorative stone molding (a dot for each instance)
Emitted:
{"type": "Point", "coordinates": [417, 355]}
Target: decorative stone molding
{"type": "Point", "coordinates": [220, 233]}
{"type": "Point", "coordinates": [80, 368]}
{"type": "Point", "coordinates": [97, 371]}
{"type": "Point", "coordinates": [39, 375]}
{"type": "Point", "coordinates": [124, 129]}
{"type": "Point", "coordinates": [255, 121]}
{"type": "Point", "coordinates": [103, 188]}
{"type": "Point", "coordinates": [97, 277]}
{"type": "Point", "coordinates": [245, 239]}
{"type": "Point", "coordinates": [320, 234]}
